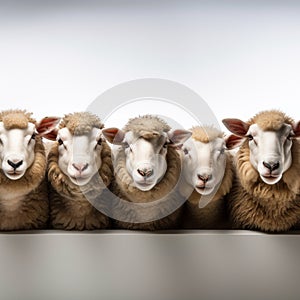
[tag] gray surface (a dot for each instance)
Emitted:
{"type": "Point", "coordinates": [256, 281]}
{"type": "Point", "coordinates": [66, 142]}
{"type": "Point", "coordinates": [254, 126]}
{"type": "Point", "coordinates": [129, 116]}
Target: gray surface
{"type": "Point", "coordinates": [129, 265]}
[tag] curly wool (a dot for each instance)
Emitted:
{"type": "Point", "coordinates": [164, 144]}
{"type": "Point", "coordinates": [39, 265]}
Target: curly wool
{"type": "Point", "coordinates": [254, 204]}
{"type": "Point", "coordinates": [205, 134]}
{"type": "Point", "coordinates": [147, 124]}
{"type": "Point", "coordinates": [16, 118]}
{"type": "Point", "coordinates": [73, 207]}
{"type": "Point", "coordinates": [81, 123]}
{"type": "Point", "coordinates": [31, 190]}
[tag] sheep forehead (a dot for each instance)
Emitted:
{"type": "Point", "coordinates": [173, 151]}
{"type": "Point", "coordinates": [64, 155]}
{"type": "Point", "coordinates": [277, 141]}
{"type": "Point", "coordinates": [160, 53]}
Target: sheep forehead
{"type": "Point", "coordinates": [28, 130]}
{"type": "Point", "coordinates": [271, 120]}
{"type": "Point", "coordinates": [209, 147]}
{"type": "Point", "coordinates": [283, 131]}
{"type": "Point", "coordinates": [155, 139]}
{"type": "Point", "coordinates": [66, 134]}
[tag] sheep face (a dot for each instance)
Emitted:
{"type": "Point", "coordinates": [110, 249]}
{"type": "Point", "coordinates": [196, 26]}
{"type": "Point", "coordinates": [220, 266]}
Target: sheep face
{"type": "Point", "coordinates": [16, 150]}
{"type": "Point", "coordinates": [145, 159]}
{"type": "Point", "coordinates": [270, 150]}
{"type": "Point", "coordinates": [204, 164]}
{"type": "Point", "coordinates": [79, 155]}
{"type": "Point", "coordinates": [146, 152]}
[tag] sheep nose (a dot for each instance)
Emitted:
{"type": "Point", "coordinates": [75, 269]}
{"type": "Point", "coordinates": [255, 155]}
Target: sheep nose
{"type": "Point", "coordinates": [204, 177]}
{"type": "Point", "coordinates": [80, 167]}
{"type": "Point", "coordinates": [16, 164]}
{"type": "Point", "coordinates": [145, 172]}
{"type": "Point", "coordinates": [271, 165]}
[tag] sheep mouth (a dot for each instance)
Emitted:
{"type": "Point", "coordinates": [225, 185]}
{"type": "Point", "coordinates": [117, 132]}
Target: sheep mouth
{"type": "Point", "coordinates": [270, 178]}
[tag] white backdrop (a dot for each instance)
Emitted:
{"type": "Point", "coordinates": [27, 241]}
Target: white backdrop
{"type": "Point", "coordinates": [239, 56]}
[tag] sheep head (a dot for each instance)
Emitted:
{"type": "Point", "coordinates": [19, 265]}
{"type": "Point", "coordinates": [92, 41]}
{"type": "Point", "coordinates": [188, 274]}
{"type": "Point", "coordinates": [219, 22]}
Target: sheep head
{"type": "Point", "coordinates": [79, 145]}
{"type": "Point", "coordinates": [18, 134]}
{"type": "Point", "coordinates": [269, 136]}
{"type": "Point", "coordinates": [204, 159]}
{"type": "Point", "coordinates": [145, 152]}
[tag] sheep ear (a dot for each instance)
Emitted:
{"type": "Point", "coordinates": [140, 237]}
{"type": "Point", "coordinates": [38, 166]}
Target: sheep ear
{"type": "Point", "coordinates": [178, 137]}
{"type": "Point", "coordinates": [51, 135]}
{"type": "Point", "coordinates": [47, 127]}
{"type": "Point", "coordinates": [232, 141]}
{"type": "Point", "coordinates": [296, 129]}
{"type": "Point", "coordinates": [236, 126]}
{"type": "Point", "coordinates": [113, 135]}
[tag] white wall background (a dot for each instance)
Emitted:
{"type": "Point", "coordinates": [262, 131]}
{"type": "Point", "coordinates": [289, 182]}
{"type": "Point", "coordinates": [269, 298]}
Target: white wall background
{"type": "Point", "coordinates": [240, 56]}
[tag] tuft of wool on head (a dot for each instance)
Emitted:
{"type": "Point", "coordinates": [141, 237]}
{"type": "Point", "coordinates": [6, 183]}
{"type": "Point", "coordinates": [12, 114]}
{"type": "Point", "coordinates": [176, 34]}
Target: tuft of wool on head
{"type": "Point", "coordinates": [270, 120]}
{"type": "Point", "coordinates": [16, 118]}
{"type": "Point", "coordinates": [81, 123]}
{"type": "Point", "coordinates": [205, 134]}
{"type": "Point", "coordinates": [145, 125]}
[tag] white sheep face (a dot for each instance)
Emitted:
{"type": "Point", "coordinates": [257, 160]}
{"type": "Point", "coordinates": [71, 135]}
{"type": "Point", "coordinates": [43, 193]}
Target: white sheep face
{"type": "Point", "coordinates": [204, 164]}
{"type": "Point", "coordinates": [16, 150]}
{"type": "Point", "coordinates": [270, 151]}
{"type": "Point", "coordinates": [79, 155]}
{"type": "Point", "coordinates": [145, 154]}
{"type": "Point", "coordinates": [145, 160]}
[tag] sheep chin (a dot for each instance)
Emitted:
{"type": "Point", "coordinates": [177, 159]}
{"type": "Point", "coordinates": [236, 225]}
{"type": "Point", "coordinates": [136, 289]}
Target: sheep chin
{"type": "Point", "coordinates": [80, 181]}
{"type": "Point", "coordinates": [144, 187]}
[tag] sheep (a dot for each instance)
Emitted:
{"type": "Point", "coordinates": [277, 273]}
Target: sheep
{"type": "Point", "coordinates": [265, 194]}
{"type": "Point", "coordinates": [79, 170]}
{"type": "Point", "coordinates": [207, 177]}
{"type": "Point", "coordinates": [147, 169]}
{"type": "Point", "coordinates": [23, 188]}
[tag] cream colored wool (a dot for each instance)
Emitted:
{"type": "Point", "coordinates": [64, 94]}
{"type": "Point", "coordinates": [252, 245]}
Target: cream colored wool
{"type": "Point", "coordinates": [255, 205]}
{"type": "Point", "coordinates": [71, 206]}
{"type": "Point", "coordinates": [214, 214]}
{"type": "Point", "coordinates": [29, 208]}
{"type": "Point", "coordinates": [164, 190]}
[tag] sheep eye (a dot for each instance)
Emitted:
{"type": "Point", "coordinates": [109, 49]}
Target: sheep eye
{"type": "Point", "coordinates": [290, 136]}
{"type": "Point", "coordinates": [185, 151]}
{"type": "Point", "coordinates": [250, 137]}
{"type": "Point", "coordinates": [99, 142]}
{"type": "Point", "coordinates": [165, 145]}
{"type": "Point", "coordinates": [33, 136]}
{"type": "Point", "coordinates": [1, 143]}
{"type": "Point", "coordinates": [60, 142]}
{"type": "Point", "coordinates": [126, 145]}
{"type": "Point", "coordinates": [222, 151]}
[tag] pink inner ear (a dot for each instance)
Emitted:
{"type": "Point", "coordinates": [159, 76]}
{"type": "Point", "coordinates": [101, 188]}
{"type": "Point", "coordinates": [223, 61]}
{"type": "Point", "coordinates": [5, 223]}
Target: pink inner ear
{"type": "Point", "coordinates": [51, 135]}
{"type": "Point", "coordinates": [113, 135]}
{"type": "Point", "coordinates": [236, 126]}
{"type": "Point", "coordinates": [179, 136]}
{"type": "Point", "coordinates": [233, 141]}
{"type": "Point", "coordinates": [47, 124]}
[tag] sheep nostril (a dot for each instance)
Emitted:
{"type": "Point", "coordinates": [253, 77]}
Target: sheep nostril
{"type": "Point", "coordinates": [15, 165]}
{"type": "Point", "coordinates": [145, 172]}
{"type": "Point", "coordinates": [271, 166]}
{"type": "Point", "coordinates": [80, 167]}
{"type": "Point", "coordinates": [205, 177]}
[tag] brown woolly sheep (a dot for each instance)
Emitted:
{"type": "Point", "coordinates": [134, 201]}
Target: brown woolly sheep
{"type": "Point", "coordinates": [79, 170]}
{"type": "Point", "coordinates": [147, 169]}
{"type": "Point", "coordinates": [207, 177]}
{"type": "Point", "coordinates": [265, 194]}
{"type": "Point", "coordinates": [23, 188]}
